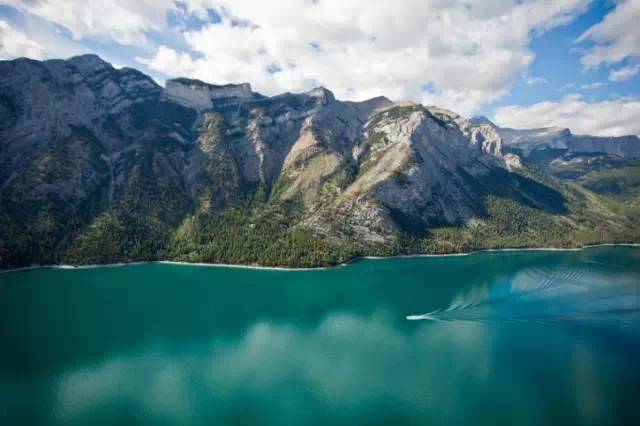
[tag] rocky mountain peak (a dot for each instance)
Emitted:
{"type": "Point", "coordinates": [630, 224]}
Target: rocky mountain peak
{"type": "Point", "coordinates": [89, 63]}
{"type": "Point", "coordinates": [322, 92]}
{"type": "Point", "coordinates": [481, 119]}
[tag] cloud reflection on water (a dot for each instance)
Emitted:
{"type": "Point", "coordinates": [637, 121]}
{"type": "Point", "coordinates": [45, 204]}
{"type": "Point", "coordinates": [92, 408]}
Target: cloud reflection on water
{"type": "Point", "coordinates": [346, 370]}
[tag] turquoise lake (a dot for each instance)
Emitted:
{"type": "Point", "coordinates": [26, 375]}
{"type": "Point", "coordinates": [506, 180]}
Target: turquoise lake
{"type": "Point", "coordinates": [496, 338]}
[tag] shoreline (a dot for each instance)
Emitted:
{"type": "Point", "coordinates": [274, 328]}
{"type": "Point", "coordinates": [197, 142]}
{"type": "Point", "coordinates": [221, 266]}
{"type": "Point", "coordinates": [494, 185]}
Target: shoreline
{"type": "Point", "coordinates": [318, 268]}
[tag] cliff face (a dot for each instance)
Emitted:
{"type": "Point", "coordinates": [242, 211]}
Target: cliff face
{"type": "Point", "coordinates": [626, 147]}
{"type": "Point", "coordinates": [62, 122]}
{"type": "Point", "coordinates": [202, 96]}
{"type": "Point", "coordinates": [99, 164]}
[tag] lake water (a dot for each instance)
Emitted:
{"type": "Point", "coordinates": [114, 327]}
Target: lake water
{"type": "Point", "coordinates": [503, 338]}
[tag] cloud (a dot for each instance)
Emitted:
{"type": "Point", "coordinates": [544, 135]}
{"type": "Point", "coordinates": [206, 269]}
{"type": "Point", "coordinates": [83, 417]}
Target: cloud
{"type": "Point", "coordinates": [342, 368]}
{"type": "Point", "coordinates": [605, 118]}
{"type": "Point", "coordinates": [530, 81]}
{"type": "Point", "coordinates": [591, 86]}
{"type": "Point", "coordinates": [624, 73]}
{"type": "Point", "coordinates": [34, 36]}
{"type": "Point", "coordinates": [361, 49]}
{"type": "Point", "coordinates": [181, 63]}
{"type": "Point", "coordinates": [14, 43]}
{"type": "Point", "coordinates": [616, 38]}
{"type": "Point", "coordinates": [347, 369]}
{"type": "Point", "coordinates": [122, 21]}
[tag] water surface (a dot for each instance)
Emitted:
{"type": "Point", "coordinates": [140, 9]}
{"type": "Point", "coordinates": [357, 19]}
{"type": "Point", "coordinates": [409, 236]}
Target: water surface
{"type": "Point", "coordinates": [525, 338]}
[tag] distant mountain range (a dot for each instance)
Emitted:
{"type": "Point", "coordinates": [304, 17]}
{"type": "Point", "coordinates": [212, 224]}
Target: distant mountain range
{"type": "Point", "coordinates": [100, 165]}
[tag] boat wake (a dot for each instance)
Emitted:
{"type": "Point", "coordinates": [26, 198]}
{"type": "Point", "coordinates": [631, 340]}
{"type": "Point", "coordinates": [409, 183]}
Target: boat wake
{"type": "Point", "coordinates": [547, 296]}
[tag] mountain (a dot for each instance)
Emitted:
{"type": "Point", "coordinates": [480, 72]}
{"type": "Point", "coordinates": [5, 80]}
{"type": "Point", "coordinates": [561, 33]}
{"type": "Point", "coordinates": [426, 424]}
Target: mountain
{"type": "Point", "coordinates": [606, 165]}
{"type": "Point", "coordinates": [101, 165]}
{"type": "Point", "coordinates": [553, 144]}
{"type": "Point", "coordinates": [530, 141]}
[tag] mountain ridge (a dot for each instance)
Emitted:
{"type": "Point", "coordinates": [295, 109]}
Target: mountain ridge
{"type": "Point", "coordinates": [102, 164]}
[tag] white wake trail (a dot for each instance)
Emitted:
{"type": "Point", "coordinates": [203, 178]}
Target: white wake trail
{"type": "Point", "coordinates": [544, 295]}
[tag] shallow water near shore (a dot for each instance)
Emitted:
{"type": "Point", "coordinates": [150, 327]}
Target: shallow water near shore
{"type": "Point", "coordinates": [522, 338]}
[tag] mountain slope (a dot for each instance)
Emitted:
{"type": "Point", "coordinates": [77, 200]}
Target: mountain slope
{"type": "Point", "coordinates": [102, 165]}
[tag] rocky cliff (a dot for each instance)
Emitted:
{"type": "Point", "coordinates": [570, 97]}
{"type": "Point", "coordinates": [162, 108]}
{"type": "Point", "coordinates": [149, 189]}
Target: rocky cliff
{"type": "Point", "coordinates": [99, 164]}
{"type": "Point", "coordinates": [201, 96]}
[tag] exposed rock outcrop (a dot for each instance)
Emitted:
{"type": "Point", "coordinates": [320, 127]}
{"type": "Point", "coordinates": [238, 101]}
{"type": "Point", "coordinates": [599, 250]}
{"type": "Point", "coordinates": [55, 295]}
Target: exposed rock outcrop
{"type": "Point", "coordinates": [202, 96]}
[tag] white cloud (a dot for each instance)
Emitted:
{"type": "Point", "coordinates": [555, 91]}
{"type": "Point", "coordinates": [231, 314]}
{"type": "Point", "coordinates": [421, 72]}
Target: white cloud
{"type": "Point", "coordinates": [605, 118]}
{"type": "Point", "coordinates": [471, 52]}
{"type": "Point", "coordinates": [535, 80]}
{"type": "Point", "coordinates": [180, 63]}
{"type": "Point", "coordinates": [591, 86]}
{"type": "Point", "coordinates": [14, 43]}
{"type": "Point", "coordinates": [122, 21]}
{"type": "Point", "coordinates": [624, 73]}
{"type": "Point", "coordinates": [617, 37]}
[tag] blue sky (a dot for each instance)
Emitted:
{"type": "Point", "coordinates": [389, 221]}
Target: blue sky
{"type": "Point", "coordinates": [558, 62]}
{"type": "Point", "coordinates": [524, 63]}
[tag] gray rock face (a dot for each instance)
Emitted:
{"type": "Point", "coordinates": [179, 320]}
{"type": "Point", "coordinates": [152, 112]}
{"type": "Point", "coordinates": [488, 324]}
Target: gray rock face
{"type": "Point", "coordinates": [202, 96]}
{"type": "Point", "coordinates": [484, 136]}
{"type": "Point", "coordinates": [265, 130]}
{"type": "Point", "coordinates": [422, 167]}
{"type": "Point", "coordinates": [480, 131]}
{"type": "Point", "coordinates": [512, 161]}
{"type": "Point", "coordinates": [626, 147]}
{"type": "Point", "coordinates": [74, 129]}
